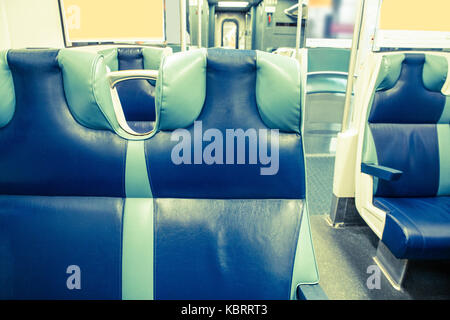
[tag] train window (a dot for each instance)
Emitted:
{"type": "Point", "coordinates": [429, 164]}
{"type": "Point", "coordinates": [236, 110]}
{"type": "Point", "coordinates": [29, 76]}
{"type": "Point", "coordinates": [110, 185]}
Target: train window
{"type": "Point", "coordinates": [230, 34]}
{"type": "Point", "coordinates": [329, 20]}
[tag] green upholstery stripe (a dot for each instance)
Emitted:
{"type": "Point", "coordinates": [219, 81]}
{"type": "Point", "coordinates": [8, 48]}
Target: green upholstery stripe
{"type": "Point", "coordinates": [87, 90]}
{"type": "Point", "coordinates": [7, 94]}
{"type": "Point", "coordinates": [445, 117]}
{"type": "Point", "coordinates": [137, 250]}
{"type": "Point", "coordinates": [369, 154]}
{"type": "Point", "coordinates": [136, 177]}
{"type": "Point", "coordinates": [281, 110]}
{"type": "Point", "coordinates": [305, 268]}
{"type": "Point", "coordinates": [179, 104]}
{"type": "Point", "coordinates": [444, 159]}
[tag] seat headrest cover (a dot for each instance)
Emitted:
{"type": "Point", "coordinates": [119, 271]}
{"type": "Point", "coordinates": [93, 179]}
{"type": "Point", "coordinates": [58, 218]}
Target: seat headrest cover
{"type": "Point", "coordinates": [278, 91]}
{"type": "Point", "coordinates": [8, 99]}
{"type": "Point", "coordinates": [435, 70]}
{"type": "Point", "coordinates": [181, 89]}
{"type": "Point", "coordinates": [87, 90]}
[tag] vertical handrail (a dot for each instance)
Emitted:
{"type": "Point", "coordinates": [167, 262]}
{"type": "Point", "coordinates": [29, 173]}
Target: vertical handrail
{"type": "Point", "coordinates": [352, 65]}
{"type": "Point", "coordinates": [183, 24]}
{"type": "Point", "coordinates": [299, 27]}
{"type": "Point", "coordinates": [199, 8]}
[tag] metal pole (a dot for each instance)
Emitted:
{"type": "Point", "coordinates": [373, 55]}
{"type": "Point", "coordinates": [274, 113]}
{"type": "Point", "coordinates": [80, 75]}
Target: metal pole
{"type": "Point", "coordinates": [199, 8]}
{"type": "Point", "coordinates": [352, 66]}
{"type": "Point", "coordinates": [299, 26]}
{"type": "Point", "coordinates": [183, 24]}
{"type": "Point", "coordinates": [211, 26]}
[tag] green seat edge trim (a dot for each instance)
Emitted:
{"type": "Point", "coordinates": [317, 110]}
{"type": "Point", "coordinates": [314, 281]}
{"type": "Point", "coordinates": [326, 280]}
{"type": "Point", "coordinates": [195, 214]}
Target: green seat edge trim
{"type": "Point", "coordinates": [443, 132]}
{"type": "Point", "coordinates": [305, 269]}
{"type": "Point", "coordinates": [7, 93]}
{"type": "Point", "coordinates": [137, 249]}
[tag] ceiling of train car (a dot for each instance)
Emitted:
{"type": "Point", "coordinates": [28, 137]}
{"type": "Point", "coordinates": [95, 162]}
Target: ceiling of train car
{"type": "Point", "coordinates": [246, 8]}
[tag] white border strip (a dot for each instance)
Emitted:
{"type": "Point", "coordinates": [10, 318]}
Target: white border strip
{"type": "Point", "coordinates": [328, 43]}
{"type": "Point", "coordinates": [411, 39]}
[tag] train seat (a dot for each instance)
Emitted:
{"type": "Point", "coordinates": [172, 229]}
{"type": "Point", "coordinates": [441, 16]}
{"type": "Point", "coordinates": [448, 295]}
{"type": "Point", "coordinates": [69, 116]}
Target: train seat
{"type": "Point", "coordinates": [229, 223]}
{"type": "Point", "coordinates": [137, 96]}
{"type": "Point", "coordinates": [327, 70]}
{"type": "Point", "coordinates": [406, 149]}
{"type": "Point", "coordinates": [62, 173]}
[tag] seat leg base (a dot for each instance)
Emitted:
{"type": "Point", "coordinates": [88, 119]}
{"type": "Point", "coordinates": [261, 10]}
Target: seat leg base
{"type": "Point", "coordinates": [393, 268]}
{"type": "Point", "coordinates": [343, 213]}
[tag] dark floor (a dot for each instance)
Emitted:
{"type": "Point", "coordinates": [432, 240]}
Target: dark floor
{"type": "Point", "coordinates": [344, 256]}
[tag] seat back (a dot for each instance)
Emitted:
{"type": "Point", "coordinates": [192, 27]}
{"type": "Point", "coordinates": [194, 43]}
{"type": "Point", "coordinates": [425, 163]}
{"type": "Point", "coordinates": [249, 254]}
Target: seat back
{"type": "Point", "coordinates": [137, 97]}
{"type": "Point", "coordinates": [62, 177]}
{"type": "Point", "coordinates": [408, 125]}
{"type": "Point", "coordinates": [227, 172]}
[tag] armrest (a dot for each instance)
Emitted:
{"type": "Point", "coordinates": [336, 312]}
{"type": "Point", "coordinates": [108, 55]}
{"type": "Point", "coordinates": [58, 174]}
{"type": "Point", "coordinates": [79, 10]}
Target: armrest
{"type": "Point", "coordinates": [381, 172]}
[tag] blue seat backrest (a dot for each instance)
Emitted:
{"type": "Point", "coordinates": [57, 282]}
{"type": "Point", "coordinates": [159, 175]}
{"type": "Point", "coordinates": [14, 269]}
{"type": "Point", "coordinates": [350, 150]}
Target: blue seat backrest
{"type": "Point", "coordinates": [45, 151]}
{"type": "Point", "coordinates": [408, 123]}
{"type": "Point", "coordinates": [229, 101]}
{"type": "Point", "coordinates": [62, 172]}
{"type": "Point", "coordinates": [226, 230]}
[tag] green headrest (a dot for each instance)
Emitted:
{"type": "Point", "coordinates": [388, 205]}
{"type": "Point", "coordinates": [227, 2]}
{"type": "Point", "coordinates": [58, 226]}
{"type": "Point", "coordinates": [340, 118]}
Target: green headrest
{"type": "Point", "coordinates": [181, 90]}
{"type": "Point", "coordinates": [434, 74]}
{"type": "Point", "coordinates": [87, 89]}
{"type": "Point", "coordinates": [85, 86]}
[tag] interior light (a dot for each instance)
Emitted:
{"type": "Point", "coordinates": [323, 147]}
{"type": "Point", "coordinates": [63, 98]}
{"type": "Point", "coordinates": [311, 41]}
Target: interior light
{"type": "Point", "coordinates": [233, 4]}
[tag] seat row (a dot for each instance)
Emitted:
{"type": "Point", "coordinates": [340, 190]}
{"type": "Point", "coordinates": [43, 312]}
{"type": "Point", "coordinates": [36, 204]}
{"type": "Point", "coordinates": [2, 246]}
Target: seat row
{"type": "Point", "coordinates": [90, 211]}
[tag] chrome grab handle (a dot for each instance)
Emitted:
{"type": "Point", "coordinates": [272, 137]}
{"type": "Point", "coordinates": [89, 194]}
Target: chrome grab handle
{"type": "Point", "coordinates": [115, 77]}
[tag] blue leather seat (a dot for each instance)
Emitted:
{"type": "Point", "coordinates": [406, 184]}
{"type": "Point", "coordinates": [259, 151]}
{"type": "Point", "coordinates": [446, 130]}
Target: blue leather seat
{"type": "Point", "coordinates": [136, 96]}
{"type": "Point", "coordinates": [75, 190]}
{"type": "Point", "coordinates": [407, 150]}
{"type": "Point", "coordinates": [228, 231]}
{"type": "Point", "coordinates": [62, 172]}
{"type": "Point", "coordinates": [327, 70]}
{"type": "Point", "coordinates": [417, 228]}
